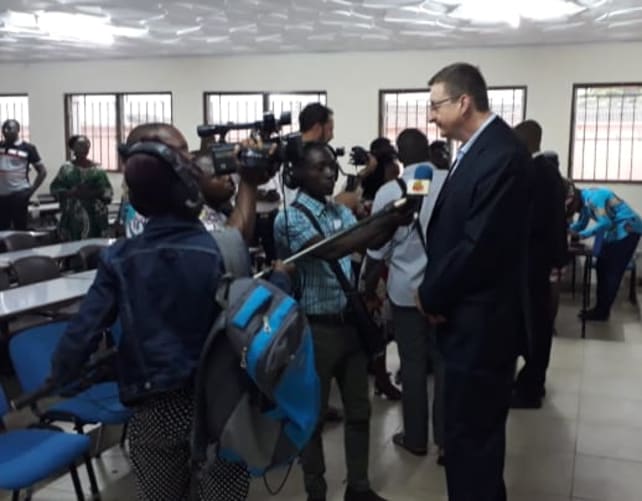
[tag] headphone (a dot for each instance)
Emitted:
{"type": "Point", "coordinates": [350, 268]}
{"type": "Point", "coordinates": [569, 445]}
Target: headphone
{"type": "Point", "coordinates": [186, 195]}
{"type": "Point", "coordinates": [295, 153]}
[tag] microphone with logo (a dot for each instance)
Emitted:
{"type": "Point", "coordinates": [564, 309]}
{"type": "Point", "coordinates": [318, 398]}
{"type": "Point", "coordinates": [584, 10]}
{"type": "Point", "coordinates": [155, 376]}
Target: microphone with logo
{"type": "Point", "coordinates": [418, 187]}
{"type": "Point", "coordinates": [414, 192]}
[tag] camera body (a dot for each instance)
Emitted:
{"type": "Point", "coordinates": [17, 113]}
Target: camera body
{"type": "Point", "coordinates": [227, 157]}
{"type": "Point", "coordinates": [358, 155]}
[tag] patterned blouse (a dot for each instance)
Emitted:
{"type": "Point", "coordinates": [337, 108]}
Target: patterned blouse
{"type": "Point", "coordinates": [87, 216]}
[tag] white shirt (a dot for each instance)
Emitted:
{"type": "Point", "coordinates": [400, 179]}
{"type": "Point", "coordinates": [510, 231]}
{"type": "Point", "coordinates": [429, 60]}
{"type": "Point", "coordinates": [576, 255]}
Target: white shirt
{"type": "Point", "coordinates": [263, 206]}
{"type": "Point", "coordinates": [405, 252]}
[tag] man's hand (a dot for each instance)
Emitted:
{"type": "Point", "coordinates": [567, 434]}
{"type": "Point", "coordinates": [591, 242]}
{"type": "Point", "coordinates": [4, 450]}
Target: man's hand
{"type": "Point", "coordinates": [372, 301]}
{"type": "Point", "coordinates": [434, 319]}
{"type": "Point", "coordinates": [289, 268]}
{"type": "Point", "coordinates": [250, 175]}
{"type": "Point", "coordinates": [350, 199]}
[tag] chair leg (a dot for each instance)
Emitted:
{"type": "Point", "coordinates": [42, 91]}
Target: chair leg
{"type": "Point", "coordinates": [92, 478]}
{"type": "Point", "coordinates": [123, 437]}
{"type": "Point", "coordinates": [15, 496]}
{"type": "Point", "coordinates": [29, 494]}
{"type": "Point", "coordinates": [99, 441]}
{"type": "Point", "coordinates": [76, 481]}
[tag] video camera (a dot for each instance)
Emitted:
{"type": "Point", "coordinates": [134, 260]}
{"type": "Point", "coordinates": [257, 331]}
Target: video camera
{"type": "Point", "coordinates": [358, 154]}
{"type": "Point", "coordinates": [269, 157]}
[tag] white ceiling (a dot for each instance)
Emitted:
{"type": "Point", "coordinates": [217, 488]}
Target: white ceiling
{"type": "Point", "coordinates": [284, 26]}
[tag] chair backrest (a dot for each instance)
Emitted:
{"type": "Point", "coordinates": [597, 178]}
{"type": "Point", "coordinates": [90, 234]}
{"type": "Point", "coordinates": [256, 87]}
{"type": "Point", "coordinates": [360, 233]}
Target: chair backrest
{"type": "Point", "coordinates": [45, 198]}
{"type": "Point", "coordinates": [4, 405]}
{"type": "Point", "coordinates": [19, 241]}
{"type": "Point", "coordinates": [33, 269]}
{"type": "Point", "coordinates": [31, 351]}
{"type": "Point", "coordinates": [86, 258]}
{"type": "Point", "coordinates": [4, 280]}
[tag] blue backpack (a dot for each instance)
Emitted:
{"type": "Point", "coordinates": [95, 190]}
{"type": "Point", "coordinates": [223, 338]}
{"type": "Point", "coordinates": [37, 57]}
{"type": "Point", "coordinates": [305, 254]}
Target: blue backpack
{"type": "Point", "coordinates": [257, 392]}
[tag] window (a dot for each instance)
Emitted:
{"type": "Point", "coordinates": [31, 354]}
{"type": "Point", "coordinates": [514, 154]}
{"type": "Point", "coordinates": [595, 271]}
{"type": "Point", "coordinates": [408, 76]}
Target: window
{"type": "Point", "coordinates": [107, 119]}
{"type": "Point", "coordinates": [509, 103]}
{"type": "Point", "coordinates": [606, 133]}
{"type": "Point", "coordinates": [16, 107]}
{"type": "Point", "coordinates": [243, 107]}
{"type": "Point", "coordinates": [400, 109]}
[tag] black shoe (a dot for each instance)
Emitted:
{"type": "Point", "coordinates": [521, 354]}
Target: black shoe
{"type": "Point", "coordinates": [399, 440]}
{"type": "Point", "coordinates": [441, 458]}
{"type": "Point", "coordinates": [315, 499]}
{"type": "Point", "coordinates": [333, 415]}
{"type": "Point", "coordinates": [523, 401]}
{"type": "Point", "coordinates": [369, 495]}
{"type": "Point", "coordinates": [593, 316]}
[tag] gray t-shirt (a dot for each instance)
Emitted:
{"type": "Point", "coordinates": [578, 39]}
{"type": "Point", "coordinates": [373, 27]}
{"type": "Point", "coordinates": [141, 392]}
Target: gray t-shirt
{"type": "Point", "coordinates": [14, 166]}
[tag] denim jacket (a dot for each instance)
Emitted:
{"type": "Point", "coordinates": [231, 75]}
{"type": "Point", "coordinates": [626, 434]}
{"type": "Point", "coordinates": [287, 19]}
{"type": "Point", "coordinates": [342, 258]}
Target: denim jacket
{"type": "Point", "coordinates": [161, 286]}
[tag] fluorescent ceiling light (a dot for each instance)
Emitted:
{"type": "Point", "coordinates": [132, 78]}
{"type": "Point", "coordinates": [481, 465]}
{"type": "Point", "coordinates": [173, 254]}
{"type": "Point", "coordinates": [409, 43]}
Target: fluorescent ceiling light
{"type": "Point", "coordinates": [67, 27]}
{"type": "Point", "coordinates": [511, 12]}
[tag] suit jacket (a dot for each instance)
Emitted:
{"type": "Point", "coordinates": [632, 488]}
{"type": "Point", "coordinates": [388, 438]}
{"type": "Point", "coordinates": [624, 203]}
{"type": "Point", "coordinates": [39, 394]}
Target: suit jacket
{"type": "Point", "coordinates": [477, 253]}
{"type": "Point", "coordinates": [548, 239]}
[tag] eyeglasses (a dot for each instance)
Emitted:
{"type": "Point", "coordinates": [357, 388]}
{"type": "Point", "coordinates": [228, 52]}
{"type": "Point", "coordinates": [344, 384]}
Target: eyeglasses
{"type": "Point", "coordinates": [435, 105]}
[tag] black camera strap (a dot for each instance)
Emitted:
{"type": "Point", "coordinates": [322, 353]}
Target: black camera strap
{"type": "Point", "coordinates": [417, 223]}
{"type": "Point", "coordinates": [369, 332]}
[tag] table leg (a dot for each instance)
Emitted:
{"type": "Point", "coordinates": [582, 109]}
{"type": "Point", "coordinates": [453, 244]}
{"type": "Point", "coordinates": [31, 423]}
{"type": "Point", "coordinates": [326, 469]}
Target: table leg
{"type": "Point", "coordinates": [573, 270]}
{"type": "Point", "coordinates": [586, 291]}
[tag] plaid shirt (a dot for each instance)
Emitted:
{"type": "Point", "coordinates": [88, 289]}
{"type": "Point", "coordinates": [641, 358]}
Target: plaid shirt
{"type": "Point", "coordinates": [321, 292]}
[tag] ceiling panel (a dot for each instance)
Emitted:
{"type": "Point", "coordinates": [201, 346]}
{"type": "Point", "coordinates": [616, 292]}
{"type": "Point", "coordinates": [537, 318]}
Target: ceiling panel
{"type": "Point", "coordinates": [32, 30]}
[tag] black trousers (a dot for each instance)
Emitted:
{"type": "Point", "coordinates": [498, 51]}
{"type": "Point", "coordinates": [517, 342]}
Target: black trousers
{"type": "Point", "coordinates": [264, 234]}
{"type": "Point", "coordinates": [14, 211]}
{"type": "Point", "coordinates": [611, 265]}
{"type": "Point", "coordinates": [476, 408]}
{"type": "Point", "coordinates": [531, 379]}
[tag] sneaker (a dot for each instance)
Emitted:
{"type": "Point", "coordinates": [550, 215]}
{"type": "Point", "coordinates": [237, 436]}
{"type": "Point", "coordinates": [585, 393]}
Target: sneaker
{"type": "Point", "coordinates": [593, 316]}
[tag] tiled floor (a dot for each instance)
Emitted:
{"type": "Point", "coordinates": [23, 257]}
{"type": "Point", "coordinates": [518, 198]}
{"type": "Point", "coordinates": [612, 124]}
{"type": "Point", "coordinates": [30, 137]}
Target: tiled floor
{"type": "Point", "coordinates": [585, 444]}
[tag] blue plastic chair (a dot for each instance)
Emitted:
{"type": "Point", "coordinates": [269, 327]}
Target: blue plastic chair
{"type": "Point", "coordinates": [32, 455]}
{"type": "Point", "coordinates": [31, 353]}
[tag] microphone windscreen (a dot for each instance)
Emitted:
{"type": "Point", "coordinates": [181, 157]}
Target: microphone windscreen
{"type": "Point", "coordinates": [420, 184]}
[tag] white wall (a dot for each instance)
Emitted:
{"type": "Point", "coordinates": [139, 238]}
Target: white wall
{"type": "Point", "coordinates": [352, 81]}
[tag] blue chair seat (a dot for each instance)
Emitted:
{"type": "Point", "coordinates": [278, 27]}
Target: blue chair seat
{"type": "Point", "coordinates": [28, 456]}
{"type": "Point", "coordinates": [98, 404]}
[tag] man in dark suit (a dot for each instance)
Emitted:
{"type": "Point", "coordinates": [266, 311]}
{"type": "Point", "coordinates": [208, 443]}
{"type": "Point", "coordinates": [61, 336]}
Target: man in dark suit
{"type": "Point", "coordinates": [474, 286]}
{"type": "Point", "coordinates": [548, 250]}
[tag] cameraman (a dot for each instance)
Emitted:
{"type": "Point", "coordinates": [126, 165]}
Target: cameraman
{"type": "Point", "coordinates": [160, 285]}
{"type": "Point", "coordinates": [217, 191]}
